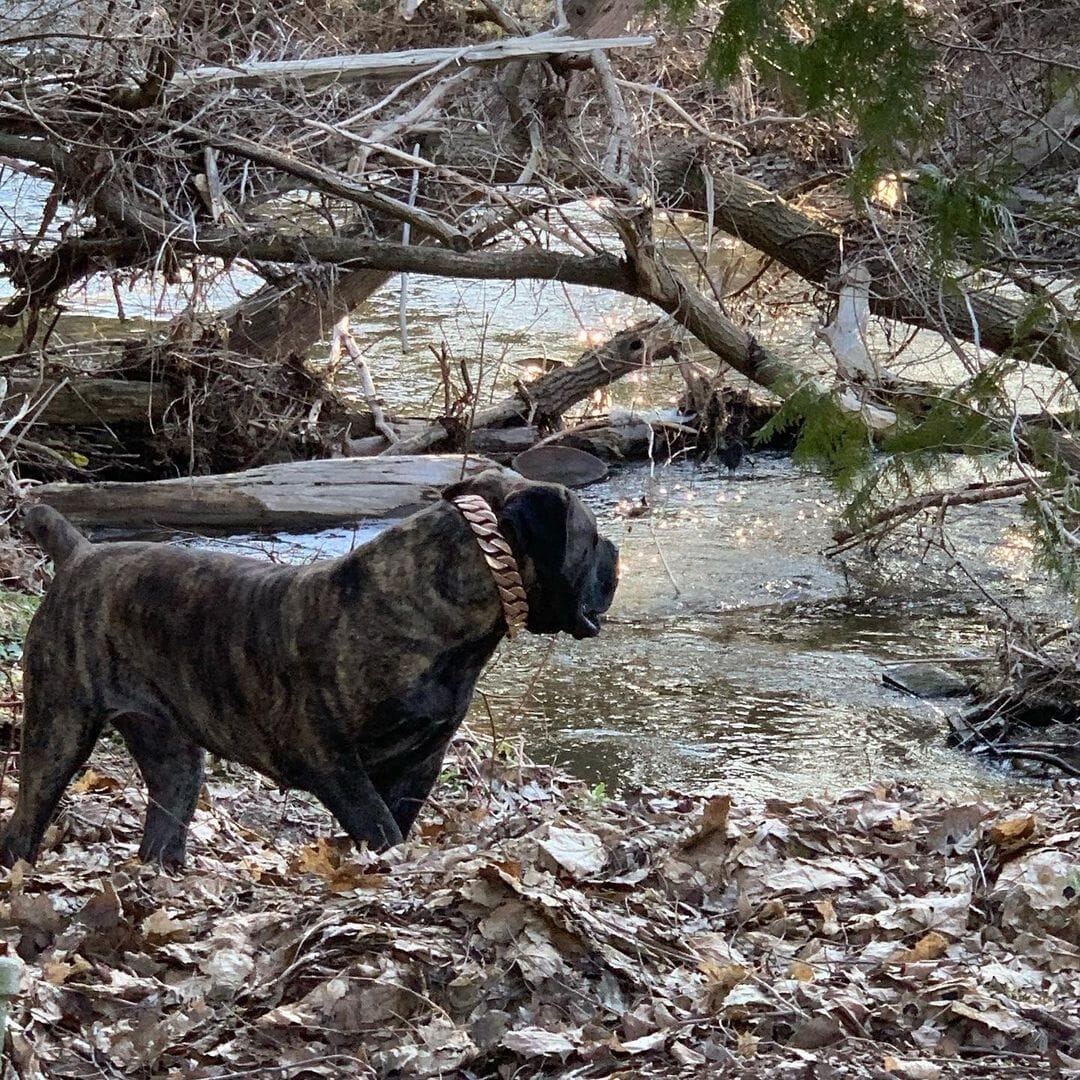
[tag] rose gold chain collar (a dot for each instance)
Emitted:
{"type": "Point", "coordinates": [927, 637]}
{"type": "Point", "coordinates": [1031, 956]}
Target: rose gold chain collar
{"type": "Point", "coordinates": [499, 558]}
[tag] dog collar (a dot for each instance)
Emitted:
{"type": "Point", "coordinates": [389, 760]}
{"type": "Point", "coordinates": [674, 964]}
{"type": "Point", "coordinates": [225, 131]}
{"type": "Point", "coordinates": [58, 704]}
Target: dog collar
{"type": "Point", "coordinates": [499, 558]}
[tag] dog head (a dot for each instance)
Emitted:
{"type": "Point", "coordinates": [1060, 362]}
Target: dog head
{"type": "Point", "coordinates": [569, 569]}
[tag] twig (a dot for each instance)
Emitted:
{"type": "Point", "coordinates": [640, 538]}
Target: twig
{"type": "Point", "coordinates": [1037, 755]}
{"type": "Point", "coordinates": [371, 398]}
{"type": "Point", "coordinates": [403, 298]}
{"type": "Point", "coordinates": [667, 99]}
{"type": "Point", "coordinates": [617, 157]}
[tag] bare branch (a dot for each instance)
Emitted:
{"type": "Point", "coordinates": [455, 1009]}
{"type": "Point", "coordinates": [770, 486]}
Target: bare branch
{"type": "Point", "coordinates": [388, 65]}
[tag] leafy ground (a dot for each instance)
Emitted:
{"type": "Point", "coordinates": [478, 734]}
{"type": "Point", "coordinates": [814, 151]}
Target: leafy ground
{"type": "Point", "coordinates": [536, 928]}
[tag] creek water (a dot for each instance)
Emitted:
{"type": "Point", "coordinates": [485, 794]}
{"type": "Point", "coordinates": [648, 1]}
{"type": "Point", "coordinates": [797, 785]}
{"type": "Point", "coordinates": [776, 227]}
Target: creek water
{"type": "Point", "coordinates": [736, 657]}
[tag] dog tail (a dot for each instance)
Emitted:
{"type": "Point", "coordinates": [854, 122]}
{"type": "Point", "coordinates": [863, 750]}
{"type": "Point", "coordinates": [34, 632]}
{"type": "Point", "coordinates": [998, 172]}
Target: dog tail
{"type": "Point", "coordinates": [53, 533]}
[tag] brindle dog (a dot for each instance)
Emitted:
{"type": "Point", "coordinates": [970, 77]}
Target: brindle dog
{"type": "Point", "coordinates": [346, 677]}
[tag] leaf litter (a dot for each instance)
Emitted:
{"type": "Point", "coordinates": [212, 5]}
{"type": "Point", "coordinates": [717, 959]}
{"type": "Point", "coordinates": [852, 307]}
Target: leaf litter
{"type": "Point", "coordinates": [532, 929]}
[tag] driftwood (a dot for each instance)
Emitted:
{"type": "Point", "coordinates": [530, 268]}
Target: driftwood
{"type": "Point", "coordinates": [395, 64]}
{"type": "Point", "coordinates": [300, 495]}
{"type": "Point", "coordinates": [86, 402]}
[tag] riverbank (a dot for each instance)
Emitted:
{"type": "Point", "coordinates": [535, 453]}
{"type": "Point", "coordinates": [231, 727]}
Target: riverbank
{"type": "Point", "coordinates": [535, 927]}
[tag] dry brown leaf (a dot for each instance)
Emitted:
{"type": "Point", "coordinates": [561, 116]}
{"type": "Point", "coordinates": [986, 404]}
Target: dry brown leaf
{"type": "Point", "coordinates": [581, 854]}
{"type": "Point", "coordinates": [992, 1016]}
{"type": "Point", "coordinates": [94, 781]}
{"type": "Point", "coordinates": [321, 858]}
{"type": "Point", "coordinates": [103, 910]}
{"type": "Point", "coordinates": [912, 1070]}
{"type": "Point", "coordinates": [930, 946]}
{"type": "Point", "coordinates": [802, 971]}
{"type": "Point", "coordinates": [714, 820]}
{"type": "Point", "coordinates": [829, 924]}
{"type": "Point", "coordinates": [1011, 829]}
{"type": "Point", "coordinates": [747, 1044]}
{"type": "Point", "coordinates": [644, 1044]}
{"type": "Point", "coordinates": [58, 972]}
{"type": "Point", "coordinates": [160, 924]}
{"type": "Point", "coordinates": [723, 976]}
{"type": "Point", "coordinates": [536, 1042]}
{"type": "Point", "coordinates": [686, 1055]}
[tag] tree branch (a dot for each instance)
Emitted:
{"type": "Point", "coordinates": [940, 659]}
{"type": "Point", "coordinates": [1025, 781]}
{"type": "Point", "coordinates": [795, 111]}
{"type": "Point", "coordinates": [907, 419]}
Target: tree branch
{"type": "Point", "coordinates": [325, 181]}
{"type": "Point", "coordinates": [393, 64]}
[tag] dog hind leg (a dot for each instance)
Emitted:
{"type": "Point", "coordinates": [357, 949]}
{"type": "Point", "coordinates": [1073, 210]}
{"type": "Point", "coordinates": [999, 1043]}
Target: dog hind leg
{"type": "Point", "coordinates": [56, 741]}
{"type": "Point", "coordinates": [172, 767]}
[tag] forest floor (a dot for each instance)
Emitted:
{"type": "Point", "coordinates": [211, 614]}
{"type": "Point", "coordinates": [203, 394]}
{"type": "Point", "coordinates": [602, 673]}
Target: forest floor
{"type": "Point", "coordinates": [536, 927]}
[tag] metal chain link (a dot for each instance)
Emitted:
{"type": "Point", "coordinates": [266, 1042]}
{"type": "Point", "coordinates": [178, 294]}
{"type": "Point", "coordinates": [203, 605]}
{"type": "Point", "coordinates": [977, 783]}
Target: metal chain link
{"type": "Point", "coordinates": [499, 558]}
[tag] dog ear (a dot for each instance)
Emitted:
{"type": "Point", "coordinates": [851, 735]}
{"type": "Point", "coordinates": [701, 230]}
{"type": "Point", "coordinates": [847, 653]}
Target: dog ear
{"type": "Point", "coordinates": [491, 485]}
{"type": "Point", "coordinates": [535, 518]}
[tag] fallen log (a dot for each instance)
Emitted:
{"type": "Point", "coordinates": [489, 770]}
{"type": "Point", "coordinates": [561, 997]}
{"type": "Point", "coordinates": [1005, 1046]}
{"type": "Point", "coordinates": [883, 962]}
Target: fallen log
{"type": "Point", "coordinates": [86, 402]}
{"type": "Point", "coordinates": [300, 495]}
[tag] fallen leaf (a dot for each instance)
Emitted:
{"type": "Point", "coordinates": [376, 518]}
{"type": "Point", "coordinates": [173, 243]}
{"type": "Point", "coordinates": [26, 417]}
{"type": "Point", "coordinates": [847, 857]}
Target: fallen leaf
{"type": "Point", "coordinates": [993, 1017]}
{"type": "Point", "coordinates": [816, 1033]}
{"type": "Point", "coordinates": [818, 875]}
{"type": "Point", "coordinates": [747, 1044]}
{"type": "Point", "coordinates": [912, 1070]}
{"type": "Point", "coordinates": [930, 946]}
{"type": "Point", "coordinates": [714, 819]}
{"type": "Point", "coordinates": [686, 1055]}
{"type": "Point", "coordinates": [722, 976]}
{"type": "Point", "coordinates": [92, 781]}
{"type": "Point", "coordinates": [536, 1042]}
{"type": "Point", "coordinates": [160, 924]}
{"type": "Point", "coordinates": [228, 968]}
{"type": "Point", "coordinates": [58, 972]}
{"type": "Point", "coordinates": [643, 1044]}
{"type": "Point", "coordinates": [1009, 830]}
{"type": "Point", "coordinates": [103, 910]}
{"type": "Point", "coordinates": [580, 853]}
{"type": "Point", "coordinates": [829, 924]}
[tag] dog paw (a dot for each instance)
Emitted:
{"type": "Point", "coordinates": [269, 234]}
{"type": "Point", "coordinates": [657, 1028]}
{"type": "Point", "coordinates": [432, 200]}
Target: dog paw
{"type": "Point", "coordinates": [14, 848]}
{"type": "Point", "coordinates": [168, 852]}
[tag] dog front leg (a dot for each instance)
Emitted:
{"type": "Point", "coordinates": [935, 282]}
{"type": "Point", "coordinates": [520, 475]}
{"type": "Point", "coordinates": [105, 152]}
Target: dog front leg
{"type": "Point", "coordinates": [350, 796]}
{"type": "Point", "coordinates": [406, 793]}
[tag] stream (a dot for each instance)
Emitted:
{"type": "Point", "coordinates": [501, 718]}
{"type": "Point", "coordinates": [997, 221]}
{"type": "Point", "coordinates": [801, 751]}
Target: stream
{"type": "Point", "coordinates": [736, 657]}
